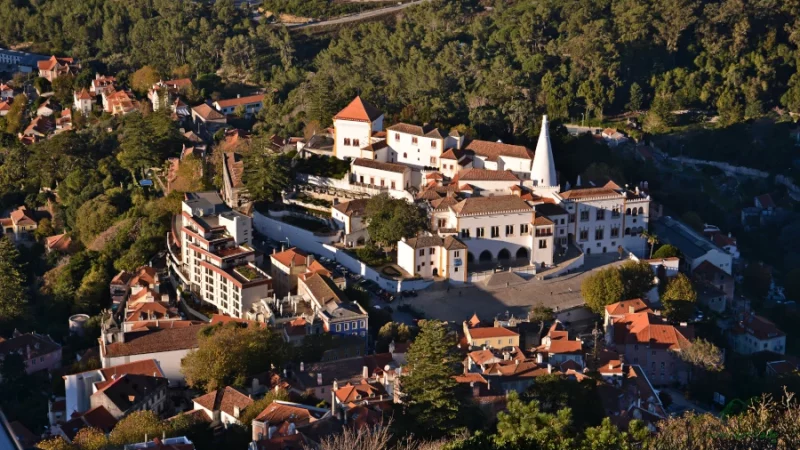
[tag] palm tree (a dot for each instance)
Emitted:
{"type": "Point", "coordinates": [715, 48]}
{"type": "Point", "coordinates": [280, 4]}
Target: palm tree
{"type": "Point", "coordinates": [652, 240]}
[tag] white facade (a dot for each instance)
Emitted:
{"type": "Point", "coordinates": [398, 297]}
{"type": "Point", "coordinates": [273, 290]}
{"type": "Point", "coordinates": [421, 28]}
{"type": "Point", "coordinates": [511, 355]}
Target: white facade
{"type": "Point", "coordinates": [543, 170]}
{"type": "Point", "coordinates": [432, 256]}
{"type": "Point", "coordinates": [417, 146]}
{"type": "Point", "coordinates": [216, 255]}
{"type": "Point", "coordinates": [169, 362]}
{"type": "Point", "coordinates": [747, 344]}
{"type": "Point", "coordinates": [389, 176]}
{"type": "Point", "coordinates": [351, 136]}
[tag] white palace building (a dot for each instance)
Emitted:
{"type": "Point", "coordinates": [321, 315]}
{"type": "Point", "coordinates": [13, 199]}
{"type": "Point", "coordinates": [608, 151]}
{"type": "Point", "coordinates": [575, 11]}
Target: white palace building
{"type": "Point", "coordinates": [488, 201]}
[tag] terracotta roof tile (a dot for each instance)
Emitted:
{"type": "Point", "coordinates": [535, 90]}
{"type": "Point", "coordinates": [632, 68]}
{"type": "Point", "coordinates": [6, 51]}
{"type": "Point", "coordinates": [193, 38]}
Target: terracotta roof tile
{"type": "Point", "coordinates": [259, 98]}
{"type": "Point", "coordinates": [474, 174]}
{"type": "Point", "coordinates": [594, 192]}
{"type": "Point", "coordinates": [635, 305]}
{"type": "Point", "coordinates": [353, 207]}
{"type": "Point", "coordinates": [490, 332]}
{"type": "Point", "coordinates": [161, 340]}
{"type": "Point", "coordinates": [491, 205]}
{"type": "Point", "coordinates": [359, 110]}
{"type": "Point", "coordinates": [224, 400]}
{"type": "Point", "coordinates": [372, 164]}
{"type": "Point", "coordinates": [207, 113]}
{"type": "Point", "coordinates": [287, 257]}
{"type": "Point", "coordinates": [493, 150]}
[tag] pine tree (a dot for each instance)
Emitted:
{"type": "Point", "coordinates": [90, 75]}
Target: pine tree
{"type": "Point", "coordinates": [636, 98]}
{"type": "Point", "coordinates": [12, 284]}
{"type": "Point", "coordinates": [429, 390]}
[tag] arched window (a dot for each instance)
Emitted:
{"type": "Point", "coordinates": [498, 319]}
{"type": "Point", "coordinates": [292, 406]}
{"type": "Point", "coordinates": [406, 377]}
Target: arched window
{"type": "Point", "coordinates": [627, 231]}
{"type": "Point", "coordinates": [641, 210]}
{"type": "Point", "coordinates": [628, 212]}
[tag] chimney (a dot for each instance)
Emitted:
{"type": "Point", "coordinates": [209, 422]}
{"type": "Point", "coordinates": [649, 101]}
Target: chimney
{"type": "Point", "coordinates": [319, 379]}
{"type": "Point", "coordinates": [516, 362]}
{"type": "Point", "coordinates": [277, 388]}
{"type": "Point", "coordinates": [302, 366]}
{"type": "Point", "coordinates": [631, 309]}
{"type": "Point", "coordinates": [335, 385]}
{"type": "Point", "coordinates": [236, 411]}
{"type": "Point", "coordinates": [238, 95]}
{"type": "Point", "coordinates": [391, 347]}
{"type": "Point", "coordinates": [365, 372]}
{"type": "Point", "coordinates": [489, 384]}
{"type": "Point", "coordinates": [309, 260]}
{"type": "Point", "coordinates": [539, 358]}
{"type": "Point", "coordinates": [549, 368]}
{"type": "Point", "coordinates": [610, 366]}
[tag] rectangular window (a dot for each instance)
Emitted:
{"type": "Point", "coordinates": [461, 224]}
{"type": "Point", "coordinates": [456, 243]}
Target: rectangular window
{"type": "Point", "coordinates": [457, 254]}
{"type": "Point", "coordinates": [615, 232]}
{"type": "Point", "coordinates": [601, 214]}
{"type": "Point", "coordinates": [372, 181]}
{"type": "Point", "coordinates": [433, 144]}
{"type": "Point", "coordinates": [523, 229]}
{"type": "Point", "coordinates": [495, 231]}
{"type": "Point", "coordinates": [542, 243]}
{"type": "Point", "coordinates": [347, 326]}
{"type": "Point", "coordinates": [355, 142]}
{"type": "Point", "coordinates": [414, 140]}
{"type": "Point", "coordinates": [598, 234]}
{"type": "Point", "coordinates": [479, 232]}
{"type": "Point", "coordinates": [393, 185]}
{"type": "Point", "coordinates": [572, 218]}
{"type": "Point", "coordinates": [418, 268]}
{"type": "Point", "coordinates": [432, 251]}
{"type": "Point", "coordinates": [465, 232]}
{"type": "Point", "coordinates": [383, 182]}
{"type": "Point", "coordinates": [583, 235]}
{"type": "Point", "coordinates": [422, 252]}
{"type": "Point", "coordinates": [397, 137]}
{"type": "Point", "coordinates": [509, 230]}
{"type": "Point", "coordinates": [584, 215]}
{"type": "Point", "coordinates": [338, 327]}
{"type": "Point", "coordinates": [347, 141]}
{"type": "Point", "coordinates": [423, 264]}
{"type": "Point", "coordinates": [433, 160]}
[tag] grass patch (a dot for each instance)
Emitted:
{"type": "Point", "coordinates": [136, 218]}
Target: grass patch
{"type": "Point", "coordinates": [391, 272]}
{"type": "Point", "coordinates": [372, 256]}
{"type": "Point", "coordinates": [247, 272]}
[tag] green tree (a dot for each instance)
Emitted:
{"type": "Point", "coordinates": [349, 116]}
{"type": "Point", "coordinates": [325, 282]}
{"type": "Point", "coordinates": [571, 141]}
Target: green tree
{"type": "Point", "coordinates": [266, 175]}
{"type": "Point", "coordinates": [635, 98]}
{"type": "Point", "coordinates": [667, 251]}
{"type": "Point", "coordinates": [94, 217]}
{"type": "Point", "coordinates": [429, 389]}
{"type": "Point", "coordinates": [135, 426]}
{"type": "Point", "coordinates": [16, 114]}
{"type": "Point", "coordinates": [607, 436]}
{"type": "Point", "coordinates": [63, 89]}
{"type": "Point", "coordinates": [652, 240]}
{"type": "Point", "coordinates": [136, 145]}
{"type": "Point", "coordinates": [679, 298]}
{"type": "Point", "coordinates": [13, 294]}
{"type": "Point", "coordinates": [229, 354]}
{"type": "Point", "coordinates": [694, 220]}
{"type": "Point", "coordinates": [703, 355]}
{"type": "Point", "coordinates": [638, 279]}
{"type": "Point", "coordinates": [523, 425]}
{"type": "Point", "coordinates": [390, 219]}
{"type": "Point", "coordinates": [91, 438]}
{"type": "Point", "coordinates": [603, 288]}
{"type": "Point", "coordinates": [730, 108]}
{"type": "Point", "coordinates": [394, 331]}
{"type": "Point", "coordinates": [56, 443]}
{"type": "Point", "coordinates": [143, 79]}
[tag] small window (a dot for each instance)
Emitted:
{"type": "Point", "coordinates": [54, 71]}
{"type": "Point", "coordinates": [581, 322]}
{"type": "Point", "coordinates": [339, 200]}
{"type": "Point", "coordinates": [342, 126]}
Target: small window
{"type": "Point", "coordinates": [456, 269]}
{"type": "Point", "coordinates": [355, 142]}
{"type": "Point", "coordinates": [393, 185]}
{"type": "Point", "coordinates": [397, 137]}
{"type": "Point", "coordinates": [457, 253]}
{"type": "Point", "coordinates": [414, 140]}
{"type": "Point", "coordinates": [405, 155]}
{"type": "Point", "coordinates": [346, 326]}
{"type": "Point", "coordinates": [479, 232]}
{"type": "Point", "coordinates": [495, 231]}
{"type": "Point", "coordinates": [422, 252]}
{"type": "Point", "coordinates": [433, 144]}
{"type": "Point", "coordinates": [523, 229]}
{"type": "Point", "coordinates": [347, 141]}
{"type": "Point", "coordinates": [509, 230]}
{"type": "Point", "coordinates": [542, 243]}
{"type": "Point", "coordinates": [432, 251]}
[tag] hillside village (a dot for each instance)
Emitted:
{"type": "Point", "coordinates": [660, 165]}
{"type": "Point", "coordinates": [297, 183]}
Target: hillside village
{"type": "Point", "coordinates": [493, 213]}
{"type": "Point", "coordinates": [177, 274]}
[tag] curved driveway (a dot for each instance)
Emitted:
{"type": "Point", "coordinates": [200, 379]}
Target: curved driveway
{"type": "Point", "coordinates": [356, 17]}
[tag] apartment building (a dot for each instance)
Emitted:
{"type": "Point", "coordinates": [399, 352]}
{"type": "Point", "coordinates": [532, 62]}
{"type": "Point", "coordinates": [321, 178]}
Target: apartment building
{"type": "Point", "coordinates": [382, 175]}
{"type": "Point", "coordinates": [433, 256]}
{"type": "Point", "coordinates": [419, 146]}
{"type": "Point", "coordinates": [250, 105]}
{"type": "Point", "coordinates": [38, 351]}
{"type": "Point", "coordinates": [754, 334]}
{"type": "Point", "coordinates": [216, 260]}
{"type": "Point", "coordinates": [339, 315]}
{"type": "Point", "coordinates": [287, 266]}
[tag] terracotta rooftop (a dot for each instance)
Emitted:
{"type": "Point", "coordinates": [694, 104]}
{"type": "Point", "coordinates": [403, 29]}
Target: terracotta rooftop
{"type": "Point", "coordinates": [363, 391]}
{"type": "Point", "coordinates": [31, 345]}
{"type": "Point", "coordinates": [224, 400]}
{"type": "Point", "coordinates": [482, 356]}
{"type": "Point", "coordinates": [144, 367]}
{"type": "Point", "coordinates": [235, 166]}
{"type": "Point", "coordinates": [493, 150]}
{"type": "Point", "coordinates": [388, 167]}
{"type": "Point", "coordinates": [359, 110]}
{"type": "Point", "coordinates": [60, 242]}
{"type": "Point", "coordinates": [162, 340]}
{"type": "Point", "coordinates": [292, 255]}
{"type": "Point", "coordinates": [541, 221]}
{"type": "Point", "coordinates": [491, 205]}
{"type": "Point", "coordinates": [592, 192]}
{"type": "Point", "coordinates": [649, 329]}
{"type": "Point", "coordinates": [278, 412]}
{"type": "Point", "coordinates": [756, 326]}
{"type": "Point", "coordinates": [83, 95]}
{"type": "Point", "coordinates": [424, 131]}
{"type": "Point", "coordinates": [129, 390]}
{"type": "Point", "coordinates": [353, 207]}
{"type": "Point", "coordinates": [206, 112]}
{"type": "Point", "coordinates": [635, 305]}
{"type": "Point", "coordinates": [240, 101]}
{"type": "Point", "coordinates": [474, 174]}
{"type": "Point", "coordinates": [490, 332]}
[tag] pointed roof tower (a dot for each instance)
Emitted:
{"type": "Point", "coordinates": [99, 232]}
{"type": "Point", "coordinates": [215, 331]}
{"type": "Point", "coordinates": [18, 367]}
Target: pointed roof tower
{"type": "Point", "coordinates": [360, 111]}
{"type": "Point", "coordinates": [544, 168]}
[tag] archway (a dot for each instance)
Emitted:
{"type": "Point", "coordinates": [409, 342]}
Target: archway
{"type": "Point", "coordinates": [435, 272]}
{"type": "Point", "coordinates": [504, 255]}
{"type": "Point", "coordinates": [486, 256]}
{"type": "Point", "coordinates": [470, 257]}
{"type": "Point", "coordinates": [641, 210]}
{"type": "Point", "coordinates": [522, 253]}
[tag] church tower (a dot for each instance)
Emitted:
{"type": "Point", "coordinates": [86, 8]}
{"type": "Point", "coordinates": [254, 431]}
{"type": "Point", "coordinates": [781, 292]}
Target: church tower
{"type": "Point", "coordinates": [543, 173]}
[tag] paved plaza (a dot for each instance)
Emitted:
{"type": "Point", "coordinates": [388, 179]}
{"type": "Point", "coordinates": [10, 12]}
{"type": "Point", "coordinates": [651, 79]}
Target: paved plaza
{"type": "Point", "coordinates": [517, 297]}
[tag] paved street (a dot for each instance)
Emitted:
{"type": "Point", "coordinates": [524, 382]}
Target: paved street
{"type": "Point", "coordinates": [355, 17]}
{"type": "Point", "coordinates": [458, 304]}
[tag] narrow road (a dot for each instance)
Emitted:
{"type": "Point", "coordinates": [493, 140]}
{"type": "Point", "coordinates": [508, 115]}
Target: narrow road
{"type": "Point", "coordinates": [356, 17]}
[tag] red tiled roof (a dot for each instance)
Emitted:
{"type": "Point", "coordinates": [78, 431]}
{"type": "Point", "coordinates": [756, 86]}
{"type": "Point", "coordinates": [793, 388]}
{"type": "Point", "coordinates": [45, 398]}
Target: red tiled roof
{"type": "Point", "coordinates": [235, 166]}
{"type": "Point", "coordinates": [83, 95]}
{"type": "Point", "coordinates": [490, 332]}
{"type": "Point", "coordinates": [470, 378]}
{"type": "Point", "coordinates": [224, 400]}
{"type": "Point", "coordinates": [259, 98]}
{"type": "Point", "coordinates": [363, 391]}
{"type": "Point", "coordinates": [492, 205]}
{"type": "Point", "coordinates": [624, 307]}
{"type": "Point", "coordinates": [372, 164]}
{"type": "Point", "coordinates": [207, 113]}
{"type": "Point", "coordinates": [474, 174]}
{"type": "Point", "coordinates": [293, 254]}
{"type": "Point", "coordinates": [481, 357]}
{"type": "Point", "coordinates": [359, 110]}
{"type": "Point", "coordinates": [580, 193]}
{"type": "Point", "coordinates": [758, 327]}
{"type": "Point", "coordinates": [144, 367]}
{"type": "Point", "coordinates": [493, 150]}
{"type": "Point", "coordinates": [162, 340]}
{"type": "Point", "coordinates": [649, 329]}
{"type": "Point", "coordinates": [99, 417]}
{"type": "Point", "coordinates": [353, 207]}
